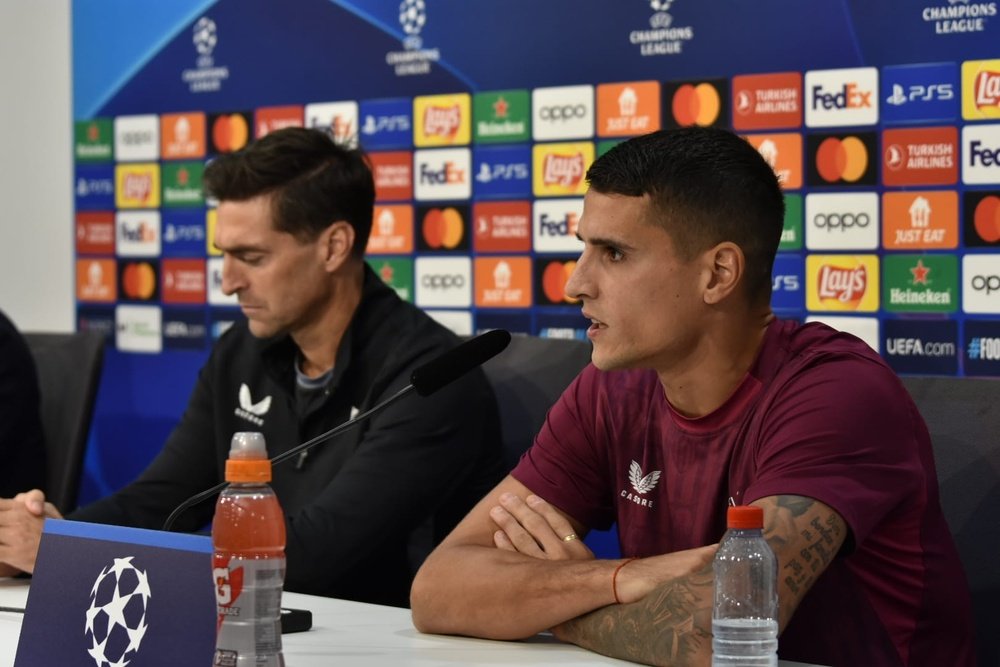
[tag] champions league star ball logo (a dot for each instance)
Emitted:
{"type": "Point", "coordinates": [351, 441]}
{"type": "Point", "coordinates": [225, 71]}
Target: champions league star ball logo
{"type": "Point", "coordinates": [661, 19]}
{"type": "Point", "coordinates": [116, 620]}
{"type": "Point", "coordinates": [204, 36]}
{"type": "Point", "coordinates": [412, 16]}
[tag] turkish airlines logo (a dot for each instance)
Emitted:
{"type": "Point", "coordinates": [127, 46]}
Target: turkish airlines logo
{"type": "Point", "coordinates": [502, 226]}
{"type": "Point", "coordinates": [765, 101]}
{"type": "Point", "coordinates": [925, 156]}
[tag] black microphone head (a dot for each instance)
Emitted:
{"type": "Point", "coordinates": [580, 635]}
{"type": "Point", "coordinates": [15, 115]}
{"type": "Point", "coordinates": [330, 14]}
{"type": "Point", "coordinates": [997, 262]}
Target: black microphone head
{"type": "Point", "coordinates": [458, 361]}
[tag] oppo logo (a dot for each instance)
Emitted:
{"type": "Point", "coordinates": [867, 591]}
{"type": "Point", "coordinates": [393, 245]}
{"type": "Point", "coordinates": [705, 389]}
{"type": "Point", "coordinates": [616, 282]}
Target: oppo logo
{"type": "Point", "coordinates": [443, 280]}
{"type": "Point", "coordinates": [563, 112]}
{"type": "Point", "coordinates": [986, 284]}
{"type": "Point", "coordinates": [841, 221]}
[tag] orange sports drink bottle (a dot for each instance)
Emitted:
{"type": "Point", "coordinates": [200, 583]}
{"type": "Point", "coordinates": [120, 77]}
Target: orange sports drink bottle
{"type": "Point", "coordinates": [248, 564]}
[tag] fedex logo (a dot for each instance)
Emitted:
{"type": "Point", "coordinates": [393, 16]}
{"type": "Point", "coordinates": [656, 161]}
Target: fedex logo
{"type": "Point", "coordinates": [138, 233]}
{"type": "Point", "coordinates": [442, 174]}
{"type": "Point", "coordinates": [981, 144]}
{"type": "Point", "coordinates": [851, 96]}
{"type": "Point", "coordinates": [555, 223]}
{"type": "Point", "coordinates": [448, 173]}
{"type": "Point", "coordinates": [842, 97]}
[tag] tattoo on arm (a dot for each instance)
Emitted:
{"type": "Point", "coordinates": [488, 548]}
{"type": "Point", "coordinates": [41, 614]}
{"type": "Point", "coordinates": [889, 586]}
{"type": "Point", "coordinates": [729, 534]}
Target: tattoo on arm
{"type": "Point", "coordinates": [806, 535]}
{"type": "Point", "coordinates": [670, 626]}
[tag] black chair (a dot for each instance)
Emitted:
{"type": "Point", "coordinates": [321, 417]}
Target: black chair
{"type": "Point", "coordinates": [527, 378]}
{"type": "Point", "coordinates": [69, 370]}
{"type": "Point", "coordinates": [963, 416]}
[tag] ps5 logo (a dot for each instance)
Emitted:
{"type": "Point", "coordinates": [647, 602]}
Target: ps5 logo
{"type": "Point", "coordinates": [920, 93]}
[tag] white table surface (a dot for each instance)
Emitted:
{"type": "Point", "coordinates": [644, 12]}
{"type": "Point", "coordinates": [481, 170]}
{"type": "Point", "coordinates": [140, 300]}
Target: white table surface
{"type": "Point", "coordinates": [362, 635]}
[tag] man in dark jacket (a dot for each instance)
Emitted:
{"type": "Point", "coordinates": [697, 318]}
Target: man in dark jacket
{"type": "Point", "coordinates": [324, 340]}
{"type": "Point", "coordinates": [22, 446]}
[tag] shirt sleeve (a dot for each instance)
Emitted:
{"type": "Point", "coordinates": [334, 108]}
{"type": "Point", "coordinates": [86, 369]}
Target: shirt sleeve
{"type": "Point", "coordinates": [853, 445]}
{"type": "Point", "coordinates": [568, 464]}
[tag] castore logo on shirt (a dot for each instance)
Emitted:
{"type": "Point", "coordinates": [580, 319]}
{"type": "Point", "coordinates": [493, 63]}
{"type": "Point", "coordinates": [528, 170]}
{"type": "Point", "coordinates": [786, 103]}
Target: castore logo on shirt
{"type": "Point", "coordinates": [641, 484]}
{"type": "Point", "coordinates": [249, 410]}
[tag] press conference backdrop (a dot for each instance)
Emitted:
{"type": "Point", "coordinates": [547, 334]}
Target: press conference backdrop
{"type": "Point", "coordinates": [881, 118]}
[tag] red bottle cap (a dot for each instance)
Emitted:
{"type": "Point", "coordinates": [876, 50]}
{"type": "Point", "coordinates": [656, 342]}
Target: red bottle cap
{"type": "Point", "coordinates": [745, 516]}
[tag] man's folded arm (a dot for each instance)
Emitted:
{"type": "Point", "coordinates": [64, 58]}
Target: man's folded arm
{"type": "Point", "coordinates": [468, 586]}
{"type": "Point", "coordinates": [673, 624]}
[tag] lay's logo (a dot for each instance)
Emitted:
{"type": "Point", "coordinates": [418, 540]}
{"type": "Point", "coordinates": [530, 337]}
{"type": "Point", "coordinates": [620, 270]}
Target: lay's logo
{"type": "Point", "coordinates": [559, 169]}
{"type": "Point", "coordinates": [981, 89]}
{"type": "Point", "coordinates": [137, 185]}
{"type": "Point", "coordinates": [442, 120]}
{"type": "Point", "coordinates": [842, 283]}
{"type": "Point", "coordinates": [987, 89]}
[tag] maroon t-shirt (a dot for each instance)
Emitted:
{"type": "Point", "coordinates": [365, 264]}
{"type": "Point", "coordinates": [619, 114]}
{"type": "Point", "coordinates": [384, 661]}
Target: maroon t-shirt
{"type": "Point", "coordinates": [818, 415]}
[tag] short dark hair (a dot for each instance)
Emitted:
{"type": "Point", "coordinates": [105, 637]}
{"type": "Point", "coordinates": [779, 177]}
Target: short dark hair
{"type": "Point", "coordinates": [709, 186]}
{"type": "Point", "coordinates": [314, 182]}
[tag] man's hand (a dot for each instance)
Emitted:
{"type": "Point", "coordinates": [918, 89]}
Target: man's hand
{"type": "Point", "coordinates": [534, 528]}
{"type": "Point", "coordinates": [21, 520]}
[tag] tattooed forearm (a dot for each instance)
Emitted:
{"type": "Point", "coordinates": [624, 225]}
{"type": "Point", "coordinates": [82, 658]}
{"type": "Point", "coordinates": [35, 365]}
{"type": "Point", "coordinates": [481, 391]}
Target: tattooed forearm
{"type": "Point", "coordinates": [670, 626]}
{"type": "Point", "coordinates": [805, 535]}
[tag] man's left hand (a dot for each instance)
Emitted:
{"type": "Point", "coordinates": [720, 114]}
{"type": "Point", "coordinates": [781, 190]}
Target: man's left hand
{"type": "Point", "coordinates": [535, 528]}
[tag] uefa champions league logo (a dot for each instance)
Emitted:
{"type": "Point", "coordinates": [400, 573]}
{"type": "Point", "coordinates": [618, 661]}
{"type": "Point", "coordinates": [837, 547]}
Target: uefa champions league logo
{"type": "Point", "coordinates": [412, 17]}
{"type": "Point", "coordinates": [204, 36]}
{"type": "Point", "coordinates": [661, 19]}
{"type": "Point", "coordinates": [116, 619]}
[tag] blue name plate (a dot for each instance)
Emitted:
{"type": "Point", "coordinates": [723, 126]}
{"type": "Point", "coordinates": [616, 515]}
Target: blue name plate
{"type": "Point", "coordinates": [108, 595]}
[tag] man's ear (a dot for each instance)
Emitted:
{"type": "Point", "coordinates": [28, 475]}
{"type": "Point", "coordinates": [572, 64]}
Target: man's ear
{"type": "Point", "coordinates": [726, 266]}
{"type": "Point", "coordinates": [336, 244]}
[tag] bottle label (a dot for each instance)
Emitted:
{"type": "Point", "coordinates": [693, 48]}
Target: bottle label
{"type": "Point", "coordinates": [248, 600]}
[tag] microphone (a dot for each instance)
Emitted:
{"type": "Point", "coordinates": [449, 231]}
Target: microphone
{"type": "Point", "coordinates": [425, 380]}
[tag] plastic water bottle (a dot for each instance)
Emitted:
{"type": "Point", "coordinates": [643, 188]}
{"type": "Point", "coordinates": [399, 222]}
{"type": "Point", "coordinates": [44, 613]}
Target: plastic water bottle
{"type": "Point", "coordinates": [248, 538]}
{"type": "Point", "coordinates": [745, 613]}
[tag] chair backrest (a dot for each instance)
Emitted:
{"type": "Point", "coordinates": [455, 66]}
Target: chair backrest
{"type": "Point", "coordinates": [69, 370]}
{"type": "Point", "coordinates": [963, 417]}
{"type": "Point", "coordinates": [527, 378]}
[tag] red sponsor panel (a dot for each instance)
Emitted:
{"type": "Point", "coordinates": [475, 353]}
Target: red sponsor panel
{"type": "Point", "coordinates": [920, 156]}
{"type": "Point", "coordinates": [503, 226]}
{"type": "Point", "coordinates": [95, 233]}
{"type": "Point", "coordinates": [269, 119]}
{"type": "Point", "coordinates": [393, 173]}
{"type": "Point", "coordinates": [767, 101]}
{"type": "Point", "coordinates": [183, 280]}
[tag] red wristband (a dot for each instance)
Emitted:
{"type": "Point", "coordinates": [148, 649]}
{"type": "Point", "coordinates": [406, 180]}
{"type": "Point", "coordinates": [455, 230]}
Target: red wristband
{"type": "Point", "coordinates": [614, 577]}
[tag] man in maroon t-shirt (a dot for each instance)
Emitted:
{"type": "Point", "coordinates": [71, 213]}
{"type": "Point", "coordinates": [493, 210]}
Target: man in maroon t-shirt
{"type": "Point", "coordinates": [698, 396]}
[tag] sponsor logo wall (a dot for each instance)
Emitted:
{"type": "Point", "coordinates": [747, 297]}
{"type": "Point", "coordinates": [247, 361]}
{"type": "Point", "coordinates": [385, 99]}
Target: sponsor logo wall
{"type": "Point", "coordinates": [891, 175]}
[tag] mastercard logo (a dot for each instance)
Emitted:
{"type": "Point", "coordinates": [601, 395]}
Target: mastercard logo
{"type": "Point", "coordinates": [138, 281]}
{"type": "Point", "coordinates": [842, 159]}
{"type": "Point", "coordinates": [443, 229]}
{"type": "Point", "coordinates": [696, 105]}
{"type": "Point", "coordinates": [987, 219]}
{"type": "Point", "coordinates": [230, 132]}
{"type": "Point", "coordinates": [554, 279]}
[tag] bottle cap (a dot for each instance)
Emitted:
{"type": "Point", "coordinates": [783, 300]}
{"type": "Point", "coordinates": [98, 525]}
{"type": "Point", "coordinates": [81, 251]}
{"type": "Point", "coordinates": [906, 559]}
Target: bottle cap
{"type": "Point", "coordinates": [745, 516]}
{"type": "Point", "coordinates": [248, 460]}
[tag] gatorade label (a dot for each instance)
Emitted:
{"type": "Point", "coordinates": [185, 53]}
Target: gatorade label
{"type": "Point", "coordinates": [248, 600]}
